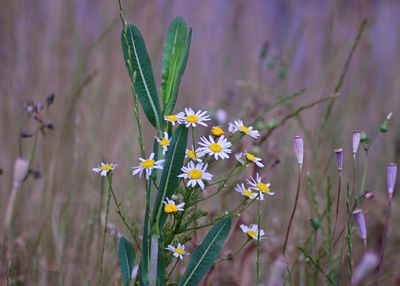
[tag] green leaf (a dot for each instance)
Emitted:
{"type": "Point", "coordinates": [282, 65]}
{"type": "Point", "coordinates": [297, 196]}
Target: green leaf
{"type": "Point", "coordinates": [137, 61]}
{"type": "Point", "coordinates": [169, 177]}
{"type": "Point", "coordinates": [175, 56]}
{"type": "Point", "coordinates": [206, 253]}
{"type": "Point", "coordinates": [126, 259]}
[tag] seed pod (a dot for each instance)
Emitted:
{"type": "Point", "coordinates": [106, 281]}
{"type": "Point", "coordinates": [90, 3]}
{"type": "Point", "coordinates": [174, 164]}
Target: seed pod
{"type": "Point", "coordinates": [391, 178]}
{"type": "Point", "coordinates": [356, 141]}
{"type": "Point", "coordinates": [361, 226]}
{"type": "Point", "coordinates": [339, 158]}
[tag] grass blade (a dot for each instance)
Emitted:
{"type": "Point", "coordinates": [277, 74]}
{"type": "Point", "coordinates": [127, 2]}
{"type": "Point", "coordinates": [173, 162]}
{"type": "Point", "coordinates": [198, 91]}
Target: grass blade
{"type": "Point", "coordinates": [126, 259]}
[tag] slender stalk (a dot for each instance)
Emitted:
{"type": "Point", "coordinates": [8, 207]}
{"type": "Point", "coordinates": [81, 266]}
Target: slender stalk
{"type": "Point", "coordinates": [230, 256]}
{"type": "Point", "coordinates": [349, 234]}
{"type": "Point", "coordinates": [337, 207]}
{"type": "Point", "coordinates": [293, 211]}
{"type": "Point", "coordinates": [104, 238]}
{"type": "Point", "coordinates": [172, 269]}
{"type": "Point", "coordinates": [384, 239]}
{"type": "Point", "coordinates": [119, 212]}
{"type": "Point", "coordinates": [258, 241]}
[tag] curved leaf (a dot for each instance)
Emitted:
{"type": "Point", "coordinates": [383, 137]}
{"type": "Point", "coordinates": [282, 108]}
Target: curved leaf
{"type": "Point", "coordinates": [175, 55]}
{"type": "Point", "coordinates": [206, 253]}
{"type": "Point", "coordinates": [137, 60]}
{"type": "Point", "coordinates": [169, 177]}
{"type": "Point", "coordinates": [126, 259]}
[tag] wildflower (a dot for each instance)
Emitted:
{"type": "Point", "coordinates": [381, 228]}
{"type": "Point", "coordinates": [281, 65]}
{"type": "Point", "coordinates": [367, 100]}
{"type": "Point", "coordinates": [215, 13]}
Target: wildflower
{"type": "Point", "coordinates": [217, 131]}
{"type": "Point", "coordinates": [164, 142]}
{"type": "Point", "coordinates": [178, 251]}
{"type": "Point", "coordinates": [173, 118]}
{"type": "Point", "coordinates": [221, 116]}
{"type": "Point", "coordinates": [238, 125]}
{"type": "Point", "coordinates": [216, 149]}
{"type": "Point", "coordinates": [103, 169]}
{"type": "Point", "coordinates": [196, 174]}
{"type": "Point", "coordinates": [247, 192]}
{"type": "Point", "coordinates": [252, 231]}
{"type": "Point", "coordinates": [147, 165]}
{"type": "Point", "coordinates": [193, 155]}
{"type": "Point", "coordinates": [356, 141]}
{"type": "Point", "coordinates": [172, 207]}
{"type": "Point", "coordinates": [190, 118]}
{"type": "Point", "coordinates": [391, 178]}
{"type": "Point", "coordinates": [360, 220]}
{"type": "Point", "coordinates": [258, 185]}
{"type": "Point", "coordinates": [299, 149]}
{"type": "Point", "coordinates": [250, 157]}
{"type": "Point", "coordinates": [367, 265]}
{"type": "Point", "coordinates": [339, 158]}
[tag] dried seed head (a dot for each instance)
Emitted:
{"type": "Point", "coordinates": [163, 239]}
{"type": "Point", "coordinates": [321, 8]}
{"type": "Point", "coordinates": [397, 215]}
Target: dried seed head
{"type": "Point", "coordinates": [339, 158]}
{"type": "Point", "coordinates": [20, 171]}
{"type": "Point", "coordinates": [367, 265]}
{"type": "Point", "coordinates": [391, 178]}
{"type": "Point", "coordinates": [361, 226]}
{"type": "Point", "coordinates": [299, 149]}
{"type": "Point", "coordinates": [278, 271]}
{"type": "Point", "coordinates": [356, 141]}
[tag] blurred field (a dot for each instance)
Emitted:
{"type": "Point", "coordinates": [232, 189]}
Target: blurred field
{"type": "Point", "coordinates": [72, 49]}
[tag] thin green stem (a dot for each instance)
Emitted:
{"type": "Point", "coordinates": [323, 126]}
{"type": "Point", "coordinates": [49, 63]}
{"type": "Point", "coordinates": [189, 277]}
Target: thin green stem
{"type": "Point", "coordinates": [172, 269]}
{"type": "Point", "coordinates": [293, 211]}
{"type": "Point", "coordinates": [104, 237]}
{"type": "Point", "coordinates": [258, 241]}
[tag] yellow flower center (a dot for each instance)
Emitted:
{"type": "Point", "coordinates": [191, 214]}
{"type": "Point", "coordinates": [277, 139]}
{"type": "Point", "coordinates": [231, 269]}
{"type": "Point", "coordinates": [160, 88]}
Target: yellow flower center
{"type": "Point", "coordinates": [107, 167]}
{"type": "Point", "coordinates": [147, 164]}
{"type": "Point", "coordinates": [248, 193]}
{"type": "Point", "coordinates": [251, 157]}
{"type": "Point", "coordinates": [192, 118]}
{"type": "Point", "coordinates": [180, 251]}
{"type": "Point", "coordinates": [252, 233]}
{"type": "Point", "coordinates": [170, 208]}
{"type": "Point", "coordinates": [217, 131]}
{"type": "Point", "coordinates": [191, 154]}
{"type": "Point", "coordinates": [195, 174]}
{"type": "Point", "coordinates": [244, 129]}
{"type": "Point", "coordinates": [215, 147]}
{"type": "Point", "coordinates": [172, 117]}
{"type": "Point", "coordinates": [263, 187]}
{"type": "Point", "coordinates": [164, 142]}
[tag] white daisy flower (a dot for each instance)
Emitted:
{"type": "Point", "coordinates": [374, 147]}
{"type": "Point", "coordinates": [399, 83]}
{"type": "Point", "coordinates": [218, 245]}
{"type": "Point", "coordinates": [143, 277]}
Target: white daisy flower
{"type": "Point", "coordinates": [178, 251]}
{"type": "Point", "coordinates": [190, 118]}
{"type": "Point", "coordinates": [249, 157]}
{"type": "Point", "coordinates": [238, 125]}
{"type": "Point", "coordinates": [172, 207]}
{"type": "Point", "coordinates": [193, 155]}
{"type": "Point", "coordinates": [216, 149]}
{"type": "Point", "coordinates": [173, 118]}
{"type": "Point", "coordinates": [147, 165]}
{"type": "Point", "coordinates": [104, 168]}
{"type": "Point", "coordinates": [258, 185]}
{"type": "Point", "coordinates": [164, 142]}
{"type": "Point", "coordinates": [247, 192]}
{"type": "Point", "coordinates": [252, 231]}
{"type": "Point", "coordinates": [195, 174]}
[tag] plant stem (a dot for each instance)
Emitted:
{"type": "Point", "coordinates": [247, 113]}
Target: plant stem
{"type": "Point", "coordinates": [172, 269]}
{"type": "Point", "coordinates": [337, 208]}
{"type": "Point", "coordinates": [230, 256]}
{"type": "Point", "coordinates": [104, 237]}
{"type": "Point", "coordinates": [258, 241]}
{"type": "Point", "coordinates": [294, 210]}
{"type": "Point", "coordinates": [384, 239]}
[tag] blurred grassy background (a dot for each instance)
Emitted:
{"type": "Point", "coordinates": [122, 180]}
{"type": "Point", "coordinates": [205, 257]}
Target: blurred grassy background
{"type": "Point", "coordinates": [72, 49]}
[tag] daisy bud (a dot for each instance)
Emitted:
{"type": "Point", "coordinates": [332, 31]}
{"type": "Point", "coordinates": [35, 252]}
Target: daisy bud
{"type": "Point", "coordinates": [20, 171]}
{"type": "Point", "coordinates": [391, 178]}
{"type": "Point", "coordinates": [367, 265]}
{"type": "Point", "coordinates": [339, 158]}
{"type": "Point", "coordinates": [278, 271]}
{"type": "Point", "coordinates": [361, 227]}
{"type": "Point", "coordinates": [356, 141]}
{"type": "Point", "coordinates": [299, 149]}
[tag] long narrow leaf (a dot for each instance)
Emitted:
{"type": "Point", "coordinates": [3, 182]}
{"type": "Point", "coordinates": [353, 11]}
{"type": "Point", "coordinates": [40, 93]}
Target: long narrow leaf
{"type": "Point", "coordinates": [137, 60]}
{"type": "Point", "coordinates": [175, 55]}
{"type": "Point", "coordinates": [206, 253]}
{"type": "Point", "coordinates": [126, 259]}
{"type": "Point", "coordinates": [169, 177]}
